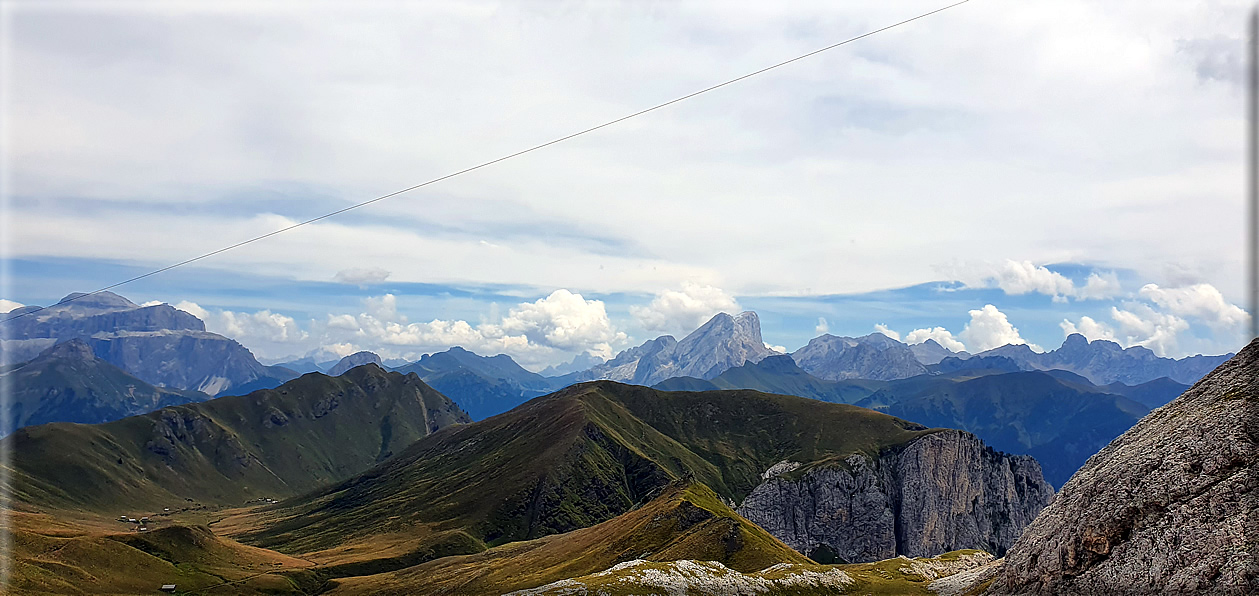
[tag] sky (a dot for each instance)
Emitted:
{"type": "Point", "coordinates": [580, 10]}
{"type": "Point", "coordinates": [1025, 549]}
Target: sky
{"type": "Point", "coordinates": [1000, 172]}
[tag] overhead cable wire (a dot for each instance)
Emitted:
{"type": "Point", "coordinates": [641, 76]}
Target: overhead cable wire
{"type": "Point", "coordinates": [493, 161]}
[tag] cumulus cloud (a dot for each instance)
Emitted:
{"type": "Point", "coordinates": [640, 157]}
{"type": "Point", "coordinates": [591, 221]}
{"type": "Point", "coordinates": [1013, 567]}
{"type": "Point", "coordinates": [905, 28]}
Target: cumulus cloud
{"type": "Point", "coordinates": [881, 328]}
{"type": "Point", "coordinates": [1140, 325]}
{"type": "Point", "coordinates": [941, 335]}
{"type": "Point", "coordinates": [681, 311]}
{"type": "Point", "coordinates": [361, 276]}
{"type": "Point", "coordinates": [566, 321]}
{"type": "Point", "coordinates": [1202, 301]}
{"type": "Point", "coordinates": [990, 328]}
{"type": "Point", "coordinates": [1024, 277]}
{"type": "Point", "coordinates": [1088, 327]}
{"type": "Point", "coordinates": [261, 326]}
{"type": "Point", "coordinates": [779, 349]}
{"type": "Point", "coordinates": [531, 332]}
{"type": "Point", "coordinates": [1099, 287]}
{"type": "Point", "coordinates": [822, 326]}
{"type": "Point", "coordinates": [7, 306]}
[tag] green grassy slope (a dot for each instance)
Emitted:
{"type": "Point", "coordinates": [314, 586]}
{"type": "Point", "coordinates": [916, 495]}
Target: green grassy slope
{"type": "Point", "coordinates": [571, 460]}
{"type": "Point", "coordinates": [686, 520]}
{"type": "Point", "coordinates": [277, 442]}
{"type": "Point", "coordinates": [67, 383]}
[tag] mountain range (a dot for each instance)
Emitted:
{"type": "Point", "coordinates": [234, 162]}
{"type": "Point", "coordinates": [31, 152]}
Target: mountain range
{"type": "Point", "coordinates": [159, 344]}
{"type": "Point", "coordinates": [68, 383]}
{"type": "Point", "coordinates": [270, 443]}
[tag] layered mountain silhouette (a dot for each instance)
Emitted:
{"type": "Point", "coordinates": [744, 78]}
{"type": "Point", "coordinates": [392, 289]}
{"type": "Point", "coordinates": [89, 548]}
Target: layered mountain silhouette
{"type": "Point", "coordinates": [68, 383]}
{"type": "Point", "coordinates": [875, 356]}
{"type": "Point", "coordinates": [1103, 362]}
{"type": "Point", "coordinates": [723, 342]}
{"type": "Point", "coordinates": [159, 344]}
{"type": "Point", "coordinates": [278, 442]}
{"type": "Point", "coordinates": [483, 386]}
{"type": "Point", "coordinates": [354, 360]}
{"type": "Point", "coordinates": [597, 450]}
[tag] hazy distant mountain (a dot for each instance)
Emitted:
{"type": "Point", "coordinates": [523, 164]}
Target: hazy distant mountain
{"type": "Point", "coordinates": [353, 360]}
{"type": "Point", "coordinates": [1058, 420]}
{"type": "Point", "coordinates": [580, 362]}
{"type": "Point", "coordinates": [875, 356]}
{"type": "Point", "coordinates": [723, 342]}
{"type": "Point", "coordinates": [1104, 362]}
{"type": "Point", "coordinates": [158, 344]}
{"type": "Point", "coordinates": [777, 374]}
{"type": "Point", "coordinates": [931, 352]}
{"type": "Point", "coordinates": [483, 386]}
{"type": "Point", "coordinates": [279, 442]}
{"type": "Point", "coordinates": [302, 365]}
{"type": "Point", "coordinates": [68, 383]}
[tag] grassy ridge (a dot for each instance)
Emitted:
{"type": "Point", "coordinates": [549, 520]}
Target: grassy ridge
{"type": "Point", "coordinates": [685, 521]}
{"type": "Point", "coordinates": [571, 460]}
{"type": "Point", "coordinates": [271, 443]}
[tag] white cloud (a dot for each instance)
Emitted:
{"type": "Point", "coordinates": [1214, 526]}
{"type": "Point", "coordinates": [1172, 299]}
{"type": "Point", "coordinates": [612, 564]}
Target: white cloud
{"type": "Point", "coordinates": [153, 303]}
{"type": "Point", "coordinates": [881, 328]}
{"type": "Point", "coordinates": [361, 276]}
{"type": "Point", "coordinates": [1140, 325]}
{"type": "Point", "coordinates": [822, 326]}
{"type": "Point", "coordinates": [779, 349]}
{"type": "Point", "coordinates": [262, 326]}
{"type": "Point", "coordinates": [532, 332]}
{"type": "Point", "coordinates": [942, 336]}
{"type": "Point", "coordinates": [1024, 277]}
{"type": "Point", "coordinates": [193, 309]}
{"type": "Point", "coordinates": [1088, 327]}
{"type": "Point", "coordinates": [7, 306]}
{"type": "Point", "coordinates": [566, 321]}
{"type": "Point", "coordinates": [990, 328]}
{"type": "Point", "coordinates": [1099, 287]}
{"type": "Point", "coordinates": [1202, 301]}
{"type": "Point", "coordinates": [681, 311]}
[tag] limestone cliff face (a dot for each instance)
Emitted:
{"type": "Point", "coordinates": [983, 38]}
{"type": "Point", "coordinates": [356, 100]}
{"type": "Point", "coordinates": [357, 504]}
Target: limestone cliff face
{"type": "Point", "coordinates": [1169, 507]}
{"type": "Point", "coordinates": [942, 492]}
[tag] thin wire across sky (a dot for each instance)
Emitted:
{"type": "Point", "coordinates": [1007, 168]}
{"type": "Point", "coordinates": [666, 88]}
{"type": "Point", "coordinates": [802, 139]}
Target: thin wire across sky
{"type": "Point", "coordinates": [494, 161]}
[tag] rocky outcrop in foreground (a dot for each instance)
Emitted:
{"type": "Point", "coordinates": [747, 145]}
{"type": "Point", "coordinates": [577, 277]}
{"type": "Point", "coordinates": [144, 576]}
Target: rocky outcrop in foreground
{"type": "Point", "coordinates": [942, 492]}
{"type": "Point", "coordinates": [1169, 507]}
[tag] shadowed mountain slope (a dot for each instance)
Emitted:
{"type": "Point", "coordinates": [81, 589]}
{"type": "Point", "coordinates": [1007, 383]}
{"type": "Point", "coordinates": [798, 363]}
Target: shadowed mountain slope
{"type": "Point", "coordinates": [276, 442]}
{"type": "Point", "coordinates": [67, 383]}
{"type": "Point", "coordinates": [483, 386]}
{"type": "Point", "coordinates": [1059, 422]}
{"type": "Point", "coordinates": [576, 458]}
{"type": "Point", "coordinates": [159, 344]}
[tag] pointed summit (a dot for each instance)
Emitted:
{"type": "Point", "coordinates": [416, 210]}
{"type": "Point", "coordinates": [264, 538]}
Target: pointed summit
{"type": "Point", "coordinates": [354, 360]}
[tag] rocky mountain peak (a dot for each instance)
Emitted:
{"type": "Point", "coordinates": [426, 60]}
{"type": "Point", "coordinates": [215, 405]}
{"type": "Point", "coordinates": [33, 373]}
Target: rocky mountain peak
{"type": "Point", "coordinates": [99, 301]}
{"type": "Point", "coordinates": [74, 350]}
{"type": "Point", "coordinates": [1168, 507]}
{"type": "Point", "coordinates": [354, 360]}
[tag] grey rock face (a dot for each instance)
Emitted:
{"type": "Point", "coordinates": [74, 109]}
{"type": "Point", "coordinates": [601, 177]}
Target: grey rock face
{"type": "Point", "coordinates": [1105, 362]}
{"type": "Point", "coordinates": [159, 344]}
{"type": "Point", "coordinates": [1169, 507]}
{"type": "Point", "coordinates": [722, 343]}
{"type": "Point", "coordinates": [353, 360]}
{"type": "Point", "coordinates": [875, 356]}
{"type": "Point", "coordinates": [942, 492]}
{"type": "Point", "coordinates": [931, 352]}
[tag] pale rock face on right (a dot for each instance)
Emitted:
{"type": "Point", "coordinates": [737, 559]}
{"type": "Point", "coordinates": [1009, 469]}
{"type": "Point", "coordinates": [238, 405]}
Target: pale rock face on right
{"type": "Point", "coordinates": [942, 492]}
{"type": "Point", "coordinates": [1169, 507]}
